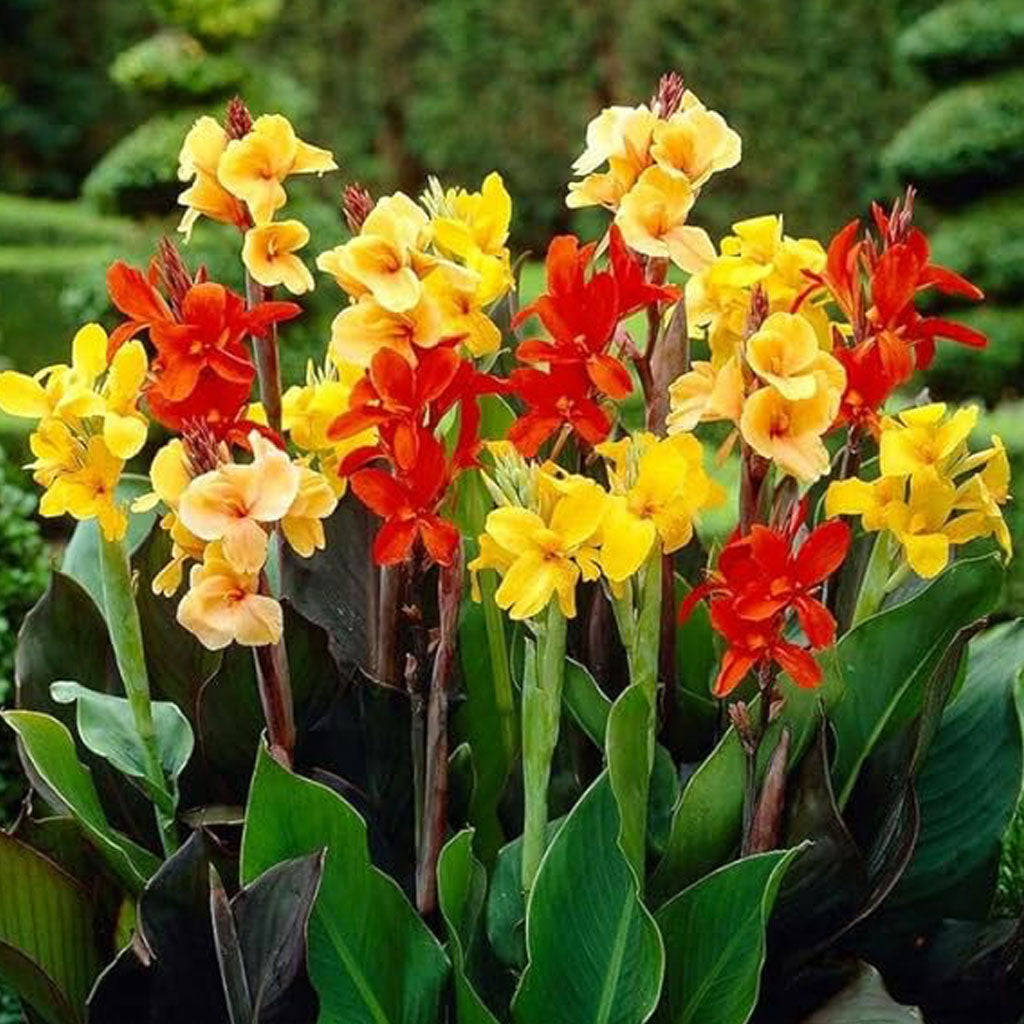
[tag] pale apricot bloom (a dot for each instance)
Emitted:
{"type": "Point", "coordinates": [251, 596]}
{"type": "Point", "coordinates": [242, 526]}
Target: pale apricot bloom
{"type": "Point", "coordinates": [224, 606]}
{"type": "Point", "coordinates": [269, 255]}
{"type": "Point", "coordinates": [622, 137]}
{"type": "Point", "coordinates": [230, 504]}
{"type": "Point", "coordinates": [302, 524]}
{"type": "Point", "coordinates": [206, 196]}
{"type": "Point", "coordinates": [387, 258]}
{"type": "Point", "coordinates": [652, 218]}
{"type": "Point", "coordinates": [695, 142]}
{"type": "Point", "coordinates": [364, 328]}
{"type": "Point", "coordinates": [253, 167]}
{"type": "Point", "coordinates": [705, 395]}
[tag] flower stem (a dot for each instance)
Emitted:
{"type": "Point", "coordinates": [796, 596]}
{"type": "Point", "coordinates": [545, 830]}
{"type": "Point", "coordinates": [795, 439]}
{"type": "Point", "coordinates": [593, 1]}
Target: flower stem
{"type": "Point", "coordinates": [874, 585]}
{"type": "Point", "coordinates": [275, 687]}
{"type": "Point", "coordinates": [435, 798]}
{"type": "Point", "coordinates": [751, 747]}
{"type": "Point", "coordinates": [542, 704]}
{"type": "Point", "coordinates": [265, 355]}
{"type": "Point", "coordinates": [126, 638]}
{"type": "Point", "coordinates": [501, 675]}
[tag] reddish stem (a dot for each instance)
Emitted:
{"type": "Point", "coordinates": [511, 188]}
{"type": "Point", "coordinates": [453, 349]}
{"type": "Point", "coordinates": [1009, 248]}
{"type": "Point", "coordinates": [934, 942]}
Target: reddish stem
{"type": "Point", "coordinates": [274, 682]}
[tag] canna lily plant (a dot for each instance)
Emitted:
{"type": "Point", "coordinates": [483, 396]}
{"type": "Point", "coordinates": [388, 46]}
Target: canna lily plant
{"type": "Point", "coordinates": [432, 688]}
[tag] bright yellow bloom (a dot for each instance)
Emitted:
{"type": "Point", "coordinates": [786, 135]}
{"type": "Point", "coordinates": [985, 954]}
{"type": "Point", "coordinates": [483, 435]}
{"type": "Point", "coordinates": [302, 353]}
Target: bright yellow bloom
{"type": "Point", "coordinates": [387, 258]}
{"type": "Point", "coordinates": [307, 411]}
{"type": "Point", "coordinates": [981, 495]}
{"type": "Point", "coordinates": [269, 255]}
{"type": "Point", "coordinates": [89, 491]}
{"type": "Point", "coordinates": [124, 427]}
{"type": "Point", "coordinates": [475, 222]}
{"type": "Point", "coordinates": [705, 395]}
{"type": "Point", "coordinates": [359, 331]}
{"type": "Point", "coordinates": [659, 488]}
{"type": "Point", "coordinates": [231, 503]}
{"type": "Point", "coordinates": [197, 163]}
{"type": "Point", "coordinates": [224, 606]}
{"type": "Point", "coordinates": [652, 217]}
{"type": "Point", "coordinates": [872, 500]}
{"type": "Point", "coordinates": [460, 298]}
{"type": "Point", "coordinates": [695, 142]}
{"type": "Point", "coordinates": [921, 524]}
{"type": "Point", "coordinates": [922, 441]}
{"type": "Point", "coordinates": [542, 554]}
{"type": "Point", "coordinates": [302, 525]}
{"type": "Point", "coordinates": [253, 168]}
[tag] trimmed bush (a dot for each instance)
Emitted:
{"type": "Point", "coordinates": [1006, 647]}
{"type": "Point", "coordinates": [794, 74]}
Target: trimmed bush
{"type": "Point", "coordinates": [985, 242]}
{"type": "Point", "coordinates": [35, 222]}
{"type": "Point", "coordinates": [175, 62]}
{"type": "Point", "coordinates": [966, 37]}
{"type": "Point", "coordinates": [969, 136]}
{"type": "Point", "coordinates": [218, 20]}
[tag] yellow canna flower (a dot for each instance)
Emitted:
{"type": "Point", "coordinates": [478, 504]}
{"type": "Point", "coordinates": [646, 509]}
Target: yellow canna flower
{"type": "Point", "coordinates": [695, 142]}
{"type": "Point", "coordinates": [784, 352]}
{"type": "Point", "coordinates": [543, 554]}
{"type": "Point", "coordinates": [253, 168]}
{"type": "Point", "coordinates": [652, 217]}
{"type": "Point", "coordinates": [460, 298]}
{"type": "Point", "coordinates": [361, 330]}
{"type": "Point", "coordinates": [387, 258]}
{"type": "Point", "coordinates": [475, 222]}
{"type": "Point", "coordinates": [224, 606]}
{"type": "Point", "coordinates": [89, 490]}
{"type": "Point", "coordinates": [921, 524]}
{"type": "Point", "coordinates": [269, 255]}
{"type": "Point", "coordinates": [56, 449]}
{"type": "Point", "coordinates": [302, 525]}
{"type": "Point", "coordinates": [231, 503]}
{"type": "Point", "coordinates": [872, 500]}
{"type": "Point", "coordinates": [923, 442]}
{"type": "Point", "coordinates": [197, 163]}
{"type": "Point", "coordinates": [659, 488]}
{"type": "Point", "coordinates": [980, 498]}
{"type": "Point", "coordinates": [124, 427]}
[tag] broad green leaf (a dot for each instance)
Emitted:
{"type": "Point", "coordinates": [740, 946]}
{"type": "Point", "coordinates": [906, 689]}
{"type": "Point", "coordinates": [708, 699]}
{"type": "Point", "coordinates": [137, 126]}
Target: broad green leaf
{"type": "Point", "coordinates": [51, 751]}
{"type": "Point", "coordinates": [880, 662]}
{"type": "Point", "coordinates": [586, 701]}
{"type": "Point", "coordinates": [864, 1001]}
{"type": "Point", "coordinates": [47, 950]}
{"type": "Point", "coordinates": [371, 959]}
{"type": "Point", "coordinates": [82, 555]}
{"type": "Point", "coordinates": [595, 955]}
{"type": "Point", "coordinates": [461, 890]}
{"type": "Point", "coordinates": [107, 727]}
{"type": "Point", "coordinates": [968, 787]}
{"type": "Point", "coordinates": [629, 747]}
{"type": "Point", "coordinates": [888, 659]}
{"type": "Point", "coordinates": [714, 935]}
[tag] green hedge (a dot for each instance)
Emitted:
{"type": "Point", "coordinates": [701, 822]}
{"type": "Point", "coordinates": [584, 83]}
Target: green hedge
{"type": "Point", "coordinates": [173, 62]}
{"type": "Point", "coordinates": [218, 20]}
{"type": "Point", "coordinates": [995, 373]}
{"type": "Point", "coordinates": [32, 222]}
{"type": "Point", "coordinates": [966, 37]}
{"type": "Point", "coordinates": [985, 241]}
{"type": "Point", "coordinates": [970, 136]}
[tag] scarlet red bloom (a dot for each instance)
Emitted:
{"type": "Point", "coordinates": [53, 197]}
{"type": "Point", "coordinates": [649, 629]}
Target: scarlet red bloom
{"type": "Point", "coordinates": [760, 579]}
{"type": "Point", "coordinates": [202, 370]}
{"type": "Point", "coordinates": [561, 396]}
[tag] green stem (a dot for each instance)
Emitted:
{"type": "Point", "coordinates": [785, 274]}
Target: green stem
{"type": "Point", "coordinates": [542, 704]}
{"type": "Point", "coordinates": [501, 675]}
{"type": "Point", "coordinates": [874, 586]}
{"type": "Point", "coordinates": [126, 638]}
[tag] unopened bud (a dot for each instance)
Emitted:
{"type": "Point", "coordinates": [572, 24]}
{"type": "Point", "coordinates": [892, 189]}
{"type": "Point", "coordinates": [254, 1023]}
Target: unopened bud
{"type": "Point", "coordinates": [204, 452]}
{"type": "Point", "coordinates": [669, 94]}
{"type": "Point", "coordinates": [237, 119]}
{"type": "Point", "coordinates": [356, 204]}
{"type": "Point", "coordinates": [739, 715]}
{"type": "Point", "coordinates": [175, 278]}
{"type": "Point", "coordinates": [758, 312]}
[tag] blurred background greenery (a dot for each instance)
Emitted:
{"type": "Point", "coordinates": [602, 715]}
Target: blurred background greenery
{"type": "Point", "coordinates": [837, 103]}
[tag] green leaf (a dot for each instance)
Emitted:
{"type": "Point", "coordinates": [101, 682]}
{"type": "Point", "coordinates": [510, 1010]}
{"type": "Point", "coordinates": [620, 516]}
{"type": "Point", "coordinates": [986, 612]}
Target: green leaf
{"type": "Point", "coordinates": [82, 555]}
{"type": "Point", "coordinates": [864, 1001]}
{"type": "Point", "coordinates": [47, 950]}
{"type": "Point", "coordinates": [887, 660]}
{"type": "Point", "coordinates": [595, 955]}
{"type": "Point", "coordinates": [51, 751]}
{"type": "Point", "coordinates": [371, 959]}
{"type": "Point", "coordinates": [714, 934]}
{"type": "Point", "coordinates": [461, 890]}
{"type": "Point", "coordinates": [630, 756]}
{"type": "Point", "coordinates": [968, 787]}
{"type": "Point", "coordinates": [106, 726]}
{"type": "Point", "coordinates": [586, 701]}
{"type": "Point", "coordinates": [882, 662]}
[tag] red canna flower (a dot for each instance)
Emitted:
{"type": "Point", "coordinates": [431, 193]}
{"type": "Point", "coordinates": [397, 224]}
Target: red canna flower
{"type": "Point", "coordinates": [561, 396]}
{"type": "Point", "coordinates": [760, 579]}
{"type": "Point", "coordinates": [408, 505]}
{"type": "Point", "coordinates": [635, 292]}
{"type": "Point", "coordinates": [202, 370]}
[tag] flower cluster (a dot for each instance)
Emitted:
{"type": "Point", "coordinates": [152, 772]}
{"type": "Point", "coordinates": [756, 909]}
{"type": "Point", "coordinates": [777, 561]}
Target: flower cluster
{"type": "Point", "coordinates": [553, 528]}
{"type": "Point", "coordinates": [237, 175]}
{"type": "Point", "coordinates": [658, 156]}
{"type": "Point", "coordinates": [931, 492]}
{"type": "Point", "coordinates": [762, 580]}
{"type": "Point", "coordinates": [89, 424]}
{"type": "Point", "coordinates": [875, 283]}
{"type": "Point", "coordinates": [582, 313]}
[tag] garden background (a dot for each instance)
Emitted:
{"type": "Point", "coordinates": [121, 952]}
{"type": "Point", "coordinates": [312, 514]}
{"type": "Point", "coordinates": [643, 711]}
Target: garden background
{"type": "Point", "coordinates": [838, 104]}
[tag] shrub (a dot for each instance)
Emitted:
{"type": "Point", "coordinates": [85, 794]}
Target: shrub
{"type": "Point", "coordinates": [218, 20]}
{"type": "Point", "coordinates": [966, 37]}
{"type": "Point", "coordinates": [175, 62]}
{"type": "Point", "coordinates": [968, 136]}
